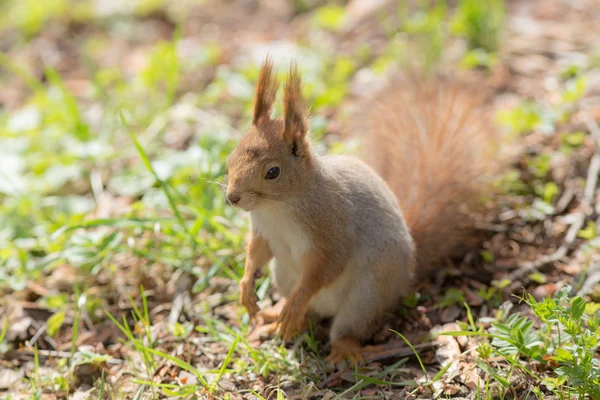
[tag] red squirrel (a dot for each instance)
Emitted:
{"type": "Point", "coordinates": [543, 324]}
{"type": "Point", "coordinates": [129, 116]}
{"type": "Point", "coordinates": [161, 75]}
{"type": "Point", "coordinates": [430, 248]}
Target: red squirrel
{"type": "Point", "coordinates": [347, 236]}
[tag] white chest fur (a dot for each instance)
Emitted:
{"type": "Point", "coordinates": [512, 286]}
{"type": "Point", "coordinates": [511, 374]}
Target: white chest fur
{"type": "Point", "coordinates": [289, 242]}
{"type": "Point", "coordinates": [286, 238]}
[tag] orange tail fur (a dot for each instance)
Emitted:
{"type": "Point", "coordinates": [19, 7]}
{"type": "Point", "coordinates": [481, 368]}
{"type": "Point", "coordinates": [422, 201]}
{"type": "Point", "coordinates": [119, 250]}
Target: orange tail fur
{"type": "Point", "coordinates": [433, 141]}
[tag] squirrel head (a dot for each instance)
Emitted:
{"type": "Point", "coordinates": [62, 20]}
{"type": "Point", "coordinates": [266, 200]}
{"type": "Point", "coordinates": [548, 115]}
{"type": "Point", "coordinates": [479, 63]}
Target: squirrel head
{"type": "Point", "coordinates": [274, 156]}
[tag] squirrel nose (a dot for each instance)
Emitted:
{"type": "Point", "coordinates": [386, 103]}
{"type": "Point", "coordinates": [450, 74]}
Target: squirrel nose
{"type": "Point", "coordinates": [233, 198]}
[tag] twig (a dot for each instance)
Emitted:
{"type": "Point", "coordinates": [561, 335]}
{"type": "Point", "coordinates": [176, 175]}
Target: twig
{"type": "Point", "coordinates": [578, 217]}
{"type": "Point", "coordinates": [564, 200]}
{"type": "Point", "coordinates": [497, 228]}
{"type": "Point", "coordinates": [58, 354]}
{"type": "Point", "coordinates": [332, 378]}
{"type": "Point", "coordinates": [396, 351]}
{"type": "Point", "coordinates": [381, 352]}
{"type": "Point", "coordinates": [590, 281]}
{"type": "Point", "coordinates": [593, 128]}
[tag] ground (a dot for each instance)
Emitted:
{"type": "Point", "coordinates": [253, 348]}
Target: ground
{"type": "Point", "coordinates": [119, 258]}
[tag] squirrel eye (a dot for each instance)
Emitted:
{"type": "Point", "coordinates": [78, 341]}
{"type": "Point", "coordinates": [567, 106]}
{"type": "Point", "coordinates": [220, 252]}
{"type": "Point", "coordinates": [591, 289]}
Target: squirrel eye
{"type": "Point", "coordinates": [272, 173]}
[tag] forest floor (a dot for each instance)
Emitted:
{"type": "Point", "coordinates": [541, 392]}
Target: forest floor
{"type": "Point", "coordinates": [119, 258]}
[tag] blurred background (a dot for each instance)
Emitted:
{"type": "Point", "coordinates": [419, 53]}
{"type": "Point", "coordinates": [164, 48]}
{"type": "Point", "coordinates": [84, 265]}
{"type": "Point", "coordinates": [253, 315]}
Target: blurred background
{"type": "Point", "coordinates": [116, 118]}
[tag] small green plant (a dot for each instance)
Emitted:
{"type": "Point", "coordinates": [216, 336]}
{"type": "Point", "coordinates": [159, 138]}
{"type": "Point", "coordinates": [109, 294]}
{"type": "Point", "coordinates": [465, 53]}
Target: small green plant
{"type": "Point", "coordinates": [329, 17]}
{"type": "Point", "coordinates": [480, 22]}
{"type": "Point", "coordinates": [144, 342]}
{"type": "Point", "coordinates": [567, 340]}
{"type": "Point", "coordinates": [571, 141]}
{"type": "Point", "coordinates": [428, 27]}
{"type": "Point", "coordinates": [575, 343]}
{"type": "Point", "coordinates": [164, 69]}
{"type": "Point", "coordinates": [524, 118]}
{"type": "Point", "coordinates": [452, 296]}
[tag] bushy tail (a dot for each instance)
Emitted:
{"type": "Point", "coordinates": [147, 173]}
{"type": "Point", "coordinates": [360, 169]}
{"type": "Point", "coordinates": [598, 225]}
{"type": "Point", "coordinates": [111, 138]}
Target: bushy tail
{"type": "Point", "coordinates": [433, 141]}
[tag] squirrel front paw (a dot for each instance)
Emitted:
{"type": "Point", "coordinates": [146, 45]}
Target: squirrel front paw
{"type": "Point", "coordinates": [248, 297]}
{"type": "Point", "coordinates": [292, 319]}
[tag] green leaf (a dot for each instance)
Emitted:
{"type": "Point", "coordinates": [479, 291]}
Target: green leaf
{"type": "Point", "coordinates": [226, 362]}
{"type": "Point", "coordinates": [574, 139]}
{"type": "Point", "coordinates": [524, 118]}
{"type": "Point", "coordinates": [575, 89]}
{"type": "Point", "coordinates": [329, 17]}
{"type": "Point", "coordinates": [501, 284]}
{"type": "Point", "coordinates": [538, 277]}
{"type": "Point", "coordinates": [589, 232]}
{"type": "Point", "coordinates": [280, 395]}
{"type": "Point", "coordinates": [487, 255]}
{"type": "Point", "coordinates": [550, 191]}
{"type": "Point", "coordinates": [501, 380]}
{"type": "Point", "coordinates": [577, 307]}
{"type": "Point", "coordinates": [562, 355]}
{"type": "Point", "coordinates": [452, 296]}
{"type": "Point", "coordinates": [54, 323]}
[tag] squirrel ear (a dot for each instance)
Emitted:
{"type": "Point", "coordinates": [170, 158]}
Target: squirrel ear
{"type": "Point", "coordinates": [266, 90]}
{"type": "Point", "coordinates": [295, 115]}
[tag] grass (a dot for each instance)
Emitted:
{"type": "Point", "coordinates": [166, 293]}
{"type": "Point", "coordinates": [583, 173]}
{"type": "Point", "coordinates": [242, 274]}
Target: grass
{"type": "Point", "coordinates": [114, 170]}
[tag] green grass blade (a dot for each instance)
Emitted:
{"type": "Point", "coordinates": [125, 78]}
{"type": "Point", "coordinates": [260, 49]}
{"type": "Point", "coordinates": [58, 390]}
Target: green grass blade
{"type": "Point", "coordinates": [376, 381]}
{"type": "Point", "coordinates": [16, 69]}
{"type": "Point", "coordinates": [181, 364]}
{"type": "Point", "coordinates": [226, 362]}
{"type": "Point", "coordinates": [493, 373]}
{"type": "Point", "coordinates": [442, 371]}
{"type": "Point", "coordinates": [166, 190]}
{"type": "Point", "coordinates": [110, 222]}
{"type": "Point", "coordinates": [101, 390]}
{"type": "Point", "coordinates": [139, 393]}
{"type": "Point", "coordinates": [467, 333]}
{"type": "Point", "coordinates": [4, 329]}
{"type": "Point", "coordinates": [416, 354]}
{"type": "Point", "coordinates": [362, 383]}
{"type": "Point", "coordinates": [470, 316]}
{"type": "Point", "coordinates": [76, 317]}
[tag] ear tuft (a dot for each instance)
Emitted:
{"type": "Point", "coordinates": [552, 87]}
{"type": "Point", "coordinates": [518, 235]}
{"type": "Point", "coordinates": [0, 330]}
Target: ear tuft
{"type": "Point", "coordinates": [295, 115]}
{"type": "Point", "coordinates": [266, 90]}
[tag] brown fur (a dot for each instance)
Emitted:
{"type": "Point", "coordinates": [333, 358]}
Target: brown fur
{"type": "Point", "coordinates": [433, 141]}
{"type": "Point", "coordinates": [295, 115]}
{"type": "Point", "coordinates": [257, 255]}
{"type": "Point", "coordinates": [335, 229]}
{"type": "Point", "coordinates": [266, 90]}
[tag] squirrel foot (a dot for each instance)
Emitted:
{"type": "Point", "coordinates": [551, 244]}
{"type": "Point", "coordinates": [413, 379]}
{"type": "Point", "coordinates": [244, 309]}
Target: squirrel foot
{"type": "Point", "coordinates": [248, 297]}
{"type": "Point", "coordinates": [348, 349]}
{"type": "Point", "coordinates": [262, 332]}
{"type": "Point", "coordinates": [272, 314]}
{"type": "Point", "coordinates": [292, 319]}
{"type": "Point", "coordinates": [267, 324]}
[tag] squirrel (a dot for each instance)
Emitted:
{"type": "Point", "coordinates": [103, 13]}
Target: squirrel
{"type": "Point", "coordinates": [347, 235]}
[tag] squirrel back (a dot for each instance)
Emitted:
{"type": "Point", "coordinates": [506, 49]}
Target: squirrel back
{"type": "Point", "coordinates": [432, 140]}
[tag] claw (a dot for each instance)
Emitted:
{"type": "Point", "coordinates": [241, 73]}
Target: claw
{"type": "Point", "coordinates": [248, 298]}
{"type": "Point", "coordinates": [262, 332]}
{"type": "Point", "coordinates": [292, 319]}
{"type": "Point", "coordinates": [347, 349]}
{"type": "Point", "coordinates": [271, 314]}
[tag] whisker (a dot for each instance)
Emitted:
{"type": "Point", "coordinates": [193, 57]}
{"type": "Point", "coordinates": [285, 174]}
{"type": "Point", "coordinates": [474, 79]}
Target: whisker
{"type": "Point", "coordinates": [221, 184]}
